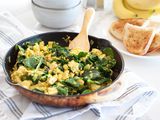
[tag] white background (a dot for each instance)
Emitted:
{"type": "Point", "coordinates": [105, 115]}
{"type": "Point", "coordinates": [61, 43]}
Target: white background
{"type": "Point", "coordinates": [149, 70]}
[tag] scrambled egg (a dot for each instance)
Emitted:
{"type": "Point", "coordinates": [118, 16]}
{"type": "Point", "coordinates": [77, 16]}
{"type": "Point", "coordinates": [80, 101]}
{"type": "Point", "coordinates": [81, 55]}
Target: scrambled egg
{"type": "Point", "coordinates": [52, 69]}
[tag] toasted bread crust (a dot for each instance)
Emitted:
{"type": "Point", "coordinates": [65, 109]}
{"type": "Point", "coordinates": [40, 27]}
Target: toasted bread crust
{"type": "Point", "coordinates": [155, 43]}
{"type": "Point", "coordinates": [137, 40]}
{"type": "Point", "coordinates": [117, 27]}
{"type": "Point", "coordinates": [144, 31]}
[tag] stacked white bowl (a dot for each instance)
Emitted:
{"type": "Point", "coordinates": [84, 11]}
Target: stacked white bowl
{"type": "Point", "coordinates": [57, 13]}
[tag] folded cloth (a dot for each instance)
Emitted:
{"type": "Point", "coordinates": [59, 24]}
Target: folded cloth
{"type": "Point", "coordinates": [131, 104]}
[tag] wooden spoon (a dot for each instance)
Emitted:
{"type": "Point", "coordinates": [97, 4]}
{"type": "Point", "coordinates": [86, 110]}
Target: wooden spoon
{"type": "Point", "coordinates": [81, 40]}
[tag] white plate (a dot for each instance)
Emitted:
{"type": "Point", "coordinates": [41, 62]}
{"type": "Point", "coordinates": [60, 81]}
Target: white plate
{"type": "Point", "coordinates": [119, 45]}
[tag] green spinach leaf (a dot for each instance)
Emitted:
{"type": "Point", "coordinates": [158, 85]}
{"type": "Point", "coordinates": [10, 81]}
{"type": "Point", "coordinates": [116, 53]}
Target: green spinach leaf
{"type": "Point", "coordinates": [82, 54]}
{"type": "Point", "coordinates": [62, 91]}
{"type": "Point", "coordinates": [109, 52]}
{"type": "Point", "coordinates": [33, 62]}
{"type": "Point", "coordinates": [86, 91]}
{"type": "Point", "coordinates": [72, 82]}
{"type": "Point", "coordinates": [18, 47]}
{"type": "Point", "coordinates": [92, 74]}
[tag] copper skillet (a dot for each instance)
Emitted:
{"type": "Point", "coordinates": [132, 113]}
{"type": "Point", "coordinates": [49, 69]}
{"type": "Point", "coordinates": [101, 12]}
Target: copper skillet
{"type": "Point", "coordinates": [58, 100]}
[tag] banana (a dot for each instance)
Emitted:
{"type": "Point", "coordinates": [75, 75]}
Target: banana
{"type": "Point", "coordinates": [142, 13]}
{"type": "Point", "coordinates": [122, 12]}
{"type": "Point", "coordinates": [144, 4]}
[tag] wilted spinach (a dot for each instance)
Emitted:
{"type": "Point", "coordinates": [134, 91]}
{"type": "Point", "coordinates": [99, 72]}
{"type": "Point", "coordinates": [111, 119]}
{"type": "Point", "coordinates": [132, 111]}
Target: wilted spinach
{"type": "Point", "coordinates": [86, 91]}
{"type": "Point", "coordinates": [91, 69]}
{"type": "Point", "coordinates": [72, 82]}
{"type": "Point", "coordinates": [82, 54]}
{"type": "Point", "coordinates": [109, 52]}
{"type": "Point", "coordinates": [62, 90]}
{"type": "Point", "coordinates": [33, 62]}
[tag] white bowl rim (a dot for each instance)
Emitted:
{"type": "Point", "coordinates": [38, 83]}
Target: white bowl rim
{"type": "Point", "coordinates": [57, 5]}
{"type": "Point", "coordinates": [58, 9]}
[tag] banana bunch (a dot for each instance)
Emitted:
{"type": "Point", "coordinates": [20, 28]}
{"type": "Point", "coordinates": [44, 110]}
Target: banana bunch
{"type": "Point", "coordinates": [144, 4]}
{"type": "Point", "coordinates": [124, 10]}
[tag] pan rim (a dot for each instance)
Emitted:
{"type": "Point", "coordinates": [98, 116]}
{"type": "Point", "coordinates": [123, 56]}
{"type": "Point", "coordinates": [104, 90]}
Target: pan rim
{"type": "Point", "coordinates": [9, 81]}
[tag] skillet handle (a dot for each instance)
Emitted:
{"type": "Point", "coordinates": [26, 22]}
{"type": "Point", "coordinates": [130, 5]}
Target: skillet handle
{"type": "Point", "coordinates": [111, 93]}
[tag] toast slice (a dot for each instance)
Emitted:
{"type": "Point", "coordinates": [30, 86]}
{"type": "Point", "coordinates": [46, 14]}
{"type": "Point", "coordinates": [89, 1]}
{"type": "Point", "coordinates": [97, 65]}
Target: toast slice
{"type": "Point", "coordinates": [136, 39]}
{"type": "Point", "coordinates": [117, 27]}
{"type": "Point", "coordinates": [155, 43]}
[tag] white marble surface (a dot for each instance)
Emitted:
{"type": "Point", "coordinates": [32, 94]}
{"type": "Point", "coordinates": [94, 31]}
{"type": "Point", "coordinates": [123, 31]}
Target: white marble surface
{"type": "Point", "coordinates": [149, 70]}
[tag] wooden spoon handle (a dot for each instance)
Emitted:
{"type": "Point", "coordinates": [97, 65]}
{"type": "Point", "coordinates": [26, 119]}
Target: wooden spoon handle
{"type": "Point", "coordinates": [88, 17]}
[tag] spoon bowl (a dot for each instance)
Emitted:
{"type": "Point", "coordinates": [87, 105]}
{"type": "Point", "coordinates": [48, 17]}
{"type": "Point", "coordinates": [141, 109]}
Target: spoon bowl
{"type": "Point", "coordinates": [81, 40]}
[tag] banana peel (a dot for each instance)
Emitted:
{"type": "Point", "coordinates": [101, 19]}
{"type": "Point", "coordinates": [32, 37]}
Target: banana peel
{"type": "Point", "coordinates": [142, 13]}
{"type": "Point", "coordinates": [144, 4]}
{"type": "Point", "coordinates": [123, 10]}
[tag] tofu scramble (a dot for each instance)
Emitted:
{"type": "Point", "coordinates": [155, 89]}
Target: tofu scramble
{"type": "Point", "coordinates": [56, 70]}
